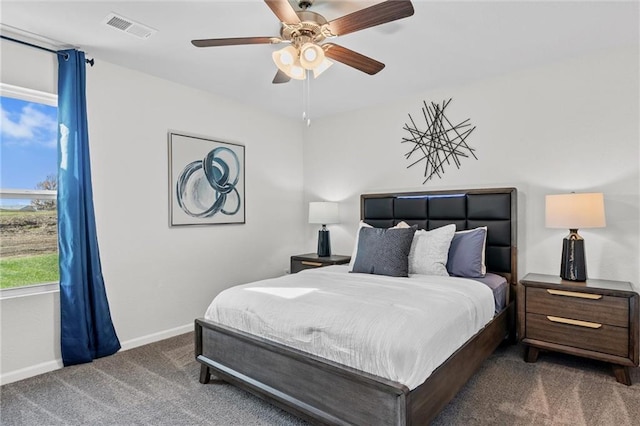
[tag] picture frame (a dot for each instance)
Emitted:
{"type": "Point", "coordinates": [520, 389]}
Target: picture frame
{"type": "Point", "coordinates": [206, 180]}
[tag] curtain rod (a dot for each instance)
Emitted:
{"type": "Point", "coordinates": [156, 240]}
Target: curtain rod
{"type": "Point", "coordinates": [65, 55]}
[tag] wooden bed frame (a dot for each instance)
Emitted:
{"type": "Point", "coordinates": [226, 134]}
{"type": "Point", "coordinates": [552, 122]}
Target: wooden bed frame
{"type": "Point", "coordinates": [324, 392]}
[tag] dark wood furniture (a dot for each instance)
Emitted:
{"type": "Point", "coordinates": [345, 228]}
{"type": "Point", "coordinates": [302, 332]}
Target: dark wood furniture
{"type": "Point", "coordinates": [596, 319]}
{"type": "Point", "coordinates": [325, 392]}
{"type": "Point", "coordinates": [312, 260]}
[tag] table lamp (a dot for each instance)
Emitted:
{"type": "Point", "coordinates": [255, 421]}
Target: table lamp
{"type": "Point", "coordinates": [574, 211]}
{"type": "Point", "coordinates": [323, 212]}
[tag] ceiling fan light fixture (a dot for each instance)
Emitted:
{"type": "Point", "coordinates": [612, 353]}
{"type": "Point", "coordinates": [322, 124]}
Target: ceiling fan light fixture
{"type": "Point", "coordinates": [285, 57]}
{"type": "Point", "coordinates": [288, 55]}
{"type": "Point", "coordinates": [324, 65]}
{"type": "Point", "coordinates": [287, 60]}
{"type": "Point", "coordinates": [311, 55]}
{"type": "Point", "coordinates": [297, 72]}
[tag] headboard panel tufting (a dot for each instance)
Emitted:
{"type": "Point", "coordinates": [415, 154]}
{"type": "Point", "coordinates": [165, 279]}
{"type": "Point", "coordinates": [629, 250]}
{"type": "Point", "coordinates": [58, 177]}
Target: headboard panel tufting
{"type": "Point", "coordinates": [467, 209]}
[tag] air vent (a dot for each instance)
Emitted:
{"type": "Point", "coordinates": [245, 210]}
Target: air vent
{"type": "Point", "coordinates": [129, 26]}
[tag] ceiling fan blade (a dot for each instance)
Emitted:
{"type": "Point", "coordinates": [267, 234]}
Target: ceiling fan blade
{"type": "Point", "coordinates": [283, 10]}
{"type": "Point", "coordinates": [210, 42]}
{"type": "Point", "coordinates": [281, 77]}
{"type": "Point", "coordinates": [371, 16]}
{"type": "Point", "coordinates": [351, 58]}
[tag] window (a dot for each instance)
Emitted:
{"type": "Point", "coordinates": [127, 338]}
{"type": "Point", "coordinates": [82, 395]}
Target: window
{"type": "Point", "coordinates": [28, 183]}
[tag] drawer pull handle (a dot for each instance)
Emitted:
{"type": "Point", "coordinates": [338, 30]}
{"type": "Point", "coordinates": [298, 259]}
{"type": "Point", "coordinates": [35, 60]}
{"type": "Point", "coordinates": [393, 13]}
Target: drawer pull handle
{"type": "Point", "coordinates": [574, 322]}
{"type": "Point", "coordinates": [304, 262]}
{"type": "Point", "coordinates": [574, 294]}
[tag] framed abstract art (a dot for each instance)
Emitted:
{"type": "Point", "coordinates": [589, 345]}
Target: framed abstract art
{"type": "Point", "coordinates": [206, 181]}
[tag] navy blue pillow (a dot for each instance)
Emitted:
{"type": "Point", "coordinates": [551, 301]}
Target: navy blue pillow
{"type": "Point", "coordinates": [384, 251]}
{"type": "Point", "coordinates": [466, 253]}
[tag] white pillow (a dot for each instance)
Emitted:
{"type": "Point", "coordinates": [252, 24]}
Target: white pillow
{"type": "Point", "coordinates": [355, 247]}
{"type": "Point", "coordinates": [429, 251]}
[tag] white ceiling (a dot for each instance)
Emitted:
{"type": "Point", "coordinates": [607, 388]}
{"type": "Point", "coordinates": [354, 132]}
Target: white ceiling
{"type": "Point", "coordinates": [444, 43]}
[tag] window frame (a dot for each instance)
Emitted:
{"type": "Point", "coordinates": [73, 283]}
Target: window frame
{"type": "Point", "coordinates": [51, 99]}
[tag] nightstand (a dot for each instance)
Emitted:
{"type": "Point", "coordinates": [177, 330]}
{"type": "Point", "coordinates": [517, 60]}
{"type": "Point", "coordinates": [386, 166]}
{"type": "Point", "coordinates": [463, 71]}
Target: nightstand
{"type": "Point", "coordinates": [312, 260]}
{"type": "Point", "coordinates": [595, 319]}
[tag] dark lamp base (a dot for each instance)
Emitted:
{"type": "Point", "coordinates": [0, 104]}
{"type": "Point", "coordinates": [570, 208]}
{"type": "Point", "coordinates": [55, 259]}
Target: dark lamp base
{"type": "Point", "coordinates": [573, 266]}
{"type": "Point", "coordinates": [324, 243]}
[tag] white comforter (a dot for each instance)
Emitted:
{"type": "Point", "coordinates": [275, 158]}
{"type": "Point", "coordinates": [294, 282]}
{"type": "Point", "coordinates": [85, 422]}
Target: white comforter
{"type": "Point", "coordinates": [397, 328]}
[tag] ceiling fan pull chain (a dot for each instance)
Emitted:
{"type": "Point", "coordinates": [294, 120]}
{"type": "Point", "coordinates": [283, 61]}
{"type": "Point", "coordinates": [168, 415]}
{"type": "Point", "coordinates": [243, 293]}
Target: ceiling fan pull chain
{"type": "Point", "coordinates": [306, 98]}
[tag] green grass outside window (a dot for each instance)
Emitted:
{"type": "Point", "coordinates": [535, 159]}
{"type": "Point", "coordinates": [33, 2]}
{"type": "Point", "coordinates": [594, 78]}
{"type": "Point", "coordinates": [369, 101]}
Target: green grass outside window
{"type": "Point", "coordinates": [28, 270]}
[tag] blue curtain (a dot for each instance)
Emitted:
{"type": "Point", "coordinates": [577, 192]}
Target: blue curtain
{"type": "Point", "coordinates": [87, 331]}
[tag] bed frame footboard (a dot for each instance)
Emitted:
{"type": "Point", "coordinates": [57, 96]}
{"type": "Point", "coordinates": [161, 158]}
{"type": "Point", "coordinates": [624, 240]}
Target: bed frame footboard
{"type": "Point", "coordinates": [310, 387]}
{"type": "Point", "coordinates": [325, 392]}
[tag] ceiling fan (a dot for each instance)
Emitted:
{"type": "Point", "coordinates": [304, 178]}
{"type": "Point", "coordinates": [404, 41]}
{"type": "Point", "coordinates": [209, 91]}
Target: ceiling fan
{"type": "Point", "coordinates": [305, 31]}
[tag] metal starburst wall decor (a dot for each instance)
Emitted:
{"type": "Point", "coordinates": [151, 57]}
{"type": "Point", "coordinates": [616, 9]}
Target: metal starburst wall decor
{"type": "Point", "coordinates": [440, 142]}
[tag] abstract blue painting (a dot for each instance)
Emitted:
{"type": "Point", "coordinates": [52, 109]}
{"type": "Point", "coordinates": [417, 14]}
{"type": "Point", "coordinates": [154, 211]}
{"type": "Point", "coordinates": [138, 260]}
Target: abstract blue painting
{"type": "Point", "coordinates": [206, 181]}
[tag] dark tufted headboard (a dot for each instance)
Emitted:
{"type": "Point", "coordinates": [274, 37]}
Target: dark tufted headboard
{"type": "Point", "coordinates": [467, 209]}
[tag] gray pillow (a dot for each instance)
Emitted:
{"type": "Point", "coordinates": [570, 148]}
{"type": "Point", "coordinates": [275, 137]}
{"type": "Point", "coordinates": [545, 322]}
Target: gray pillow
{"type": "Point", "coordinates": [384, 251]}
{"type": "Point", "coordinates": [429, 251]}
{"type": "Point", "coordinates": [466, 253]}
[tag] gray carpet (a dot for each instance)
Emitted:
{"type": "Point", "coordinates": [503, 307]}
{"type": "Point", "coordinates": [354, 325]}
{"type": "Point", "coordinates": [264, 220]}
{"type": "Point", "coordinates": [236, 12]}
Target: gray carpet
{"type": "Point", "coordinates": [158, 384]}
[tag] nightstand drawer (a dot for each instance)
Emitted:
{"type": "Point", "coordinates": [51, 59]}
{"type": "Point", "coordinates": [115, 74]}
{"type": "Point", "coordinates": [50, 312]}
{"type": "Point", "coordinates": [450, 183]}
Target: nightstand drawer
{"type": "Point", "coordinates": [311, 260]}
{"type": "Point", "coordinates": [588, 335]}
{"type": "Point", "coordinates": [590, 307]}
{"type": "Point", "coordinates": [299, 265]}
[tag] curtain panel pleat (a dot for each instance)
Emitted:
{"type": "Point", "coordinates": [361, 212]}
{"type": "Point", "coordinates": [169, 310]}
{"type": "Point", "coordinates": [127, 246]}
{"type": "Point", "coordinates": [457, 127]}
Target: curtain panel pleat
{"type": "Point", "coordinates": [87, 330]}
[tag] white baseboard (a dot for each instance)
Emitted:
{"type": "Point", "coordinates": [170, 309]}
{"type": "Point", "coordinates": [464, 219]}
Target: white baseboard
{"type": "Point", "coordinates": [45, 367]}
{"type": "Point", "coordinates": [34, 370]}
{"type": "Point", "coordinates": [161, 335]}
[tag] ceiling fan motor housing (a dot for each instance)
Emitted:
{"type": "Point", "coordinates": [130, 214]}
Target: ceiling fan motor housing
{"type": "Point", "coordinates": [311, 28]}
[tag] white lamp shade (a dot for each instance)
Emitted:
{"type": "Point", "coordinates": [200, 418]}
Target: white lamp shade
{"type": "Point", "coordinates": [311, 55]}
{"type": "Point", "coordinates": [287, 61]}
{"type": "Point", "coordinates": [324, 65]}
{"type": "Point", "coordinates": [297, 72]}
{"type": "Point", "coordinates": [323, 212]}
{"type": "Point", "coordinates": [575, 211]}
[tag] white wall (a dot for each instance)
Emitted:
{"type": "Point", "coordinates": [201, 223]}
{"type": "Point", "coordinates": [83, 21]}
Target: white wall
{"type": "Point", "coordinates": [571, 126]}
{"type": "Point", "coordinates": [161, 277]}
{"type": "Point", "coordinates": [158, 279]}
{"type": "Point", "coordinates": [29, 68]}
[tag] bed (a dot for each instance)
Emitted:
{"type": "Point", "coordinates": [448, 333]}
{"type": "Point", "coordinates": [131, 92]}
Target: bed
{"type": "Point", "coordinates": [325, 391]}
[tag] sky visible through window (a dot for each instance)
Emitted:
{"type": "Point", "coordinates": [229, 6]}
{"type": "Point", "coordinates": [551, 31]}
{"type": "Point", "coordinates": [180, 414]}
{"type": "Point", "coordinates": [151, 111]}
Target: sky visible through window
{"type": "Point", "coordinates": [28, 152]}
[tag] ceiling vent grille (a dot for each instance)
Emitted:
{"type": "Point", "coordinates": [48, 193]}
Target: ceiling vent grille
{"type": "Point", "coordinates": [129, 26]}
